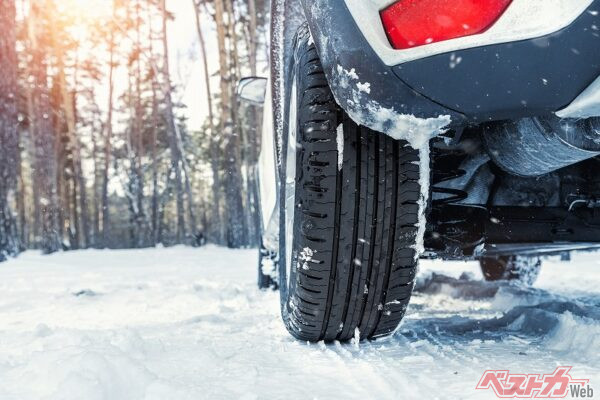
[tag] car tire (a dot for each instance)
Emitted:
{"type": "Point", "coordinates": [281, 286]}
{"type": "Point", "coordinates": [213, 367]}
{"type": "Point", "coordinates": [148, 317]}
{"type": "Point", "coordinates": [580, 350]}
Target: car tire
{"type": "Point", "coordinates": [348, 233]}
{"type": "Point", "coordinates": [519, 269]}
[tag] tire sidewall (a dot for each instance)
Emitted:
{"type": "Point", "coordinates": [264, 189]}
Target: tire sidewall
{"type": "Point", "coordinates": [291, 78]}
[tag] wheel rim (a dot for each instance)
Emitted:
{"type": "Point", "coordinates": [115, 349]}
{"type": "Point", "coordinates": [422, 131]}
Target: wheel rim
{"type": "Point", "coordinates": [290, 183]}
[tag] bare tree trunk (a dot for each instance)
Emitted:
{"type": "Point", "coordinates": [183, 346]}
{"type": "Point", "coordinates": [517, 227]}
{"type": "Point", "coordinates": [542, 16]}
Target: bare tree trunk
{"type": "Point", "coordinates": [154, 166]}
{"type": "Point", "coordinates": [254, 132]}
{"type": "Point", "coordinates": [45, 143]}
{"type": "Point", "coordinates": [237, 146]}
{"type": "Point", "coordinates": [153, 148]}
{"type": "Point", "coordinates": [69, 106]}
{"type": "Point", "coordinates": [21, 207]}
{"type": "Point", "coordinates": [83, 198]}
{"type": "Point", "coordinates": [233, 182]}
{"type": "Point", "coordinates": [9, 242]}
{"type": "Point", "coordinates": [176, 156]}
{"type": "Point", "coordinates": [215, 138]}
{"type": "Point", "coordinates": [164, 198]}
{"type": "Point", "coordinates": [253, 38]}
{"type": "Point", "coordinates": [135, 185]}
{"type": "Point", "coordinates": [209, 99]}
{"type": "Point", "coordinates": [140, 216]}
{"type": "Point", "coordinates": [107, 143]}
{"type": "Point", "coordinates": [190, 200]}
{"type": "Point", "coordinates": [23, 210]}
{"type": "Point", "coordinates": [81, 181]}
{"type": "Point", "coordinates": [233, 41]}
{"type": "Point", "coordinates": [32, 124]}
{"type": "Point", "coordinates": [35, 179]}
{"type": "Point", "coordinates": [132, 183]}
{"type": "Point", "coordinates": [74, 227]}
{"type": "Point", "coordinates": [46, 167]}
{"type": "Point", "coordinates": [97, 179]}
{"type": "Point", "coordinates": [63, 179]}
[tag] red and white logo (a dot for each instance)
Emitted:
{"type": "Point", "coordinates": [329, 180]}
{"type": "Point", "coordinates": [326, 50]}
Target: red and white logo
{"type": "Point", "coordinates": [556, 385]}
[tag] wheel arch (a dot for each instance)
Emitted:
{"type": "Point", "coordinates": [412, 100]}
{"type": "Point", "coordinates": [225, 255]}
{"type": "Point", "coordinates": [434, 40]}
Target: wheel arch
{"type": "Point", "coordinates": [367, 89]}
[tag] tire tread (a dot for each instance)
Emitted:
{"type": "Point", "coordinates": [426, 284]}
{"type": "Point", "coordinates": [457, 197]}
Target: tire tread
{"type": "Point", "coordinates": [359, 221]}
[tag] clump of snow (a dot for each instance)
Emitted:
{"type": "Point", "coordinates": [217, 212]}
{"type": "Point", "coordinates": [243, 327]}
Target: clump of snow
{"type": "Point", "coordinates": [340, 146]}
{"type": "Point", "coordinates": [364, 111]}
{"type": "Point", "coordinates": [416, 131]}
{"type": "Point", "coordinates": [454, 60]}
{"type": "Point", "coordinates": [346, 76]}
{"type": "Point", "coordinates": [424, 170]}
{"type": "Point", "coordinates": [268, 267]}
{"type": "Point", "coordinates": [364, 87]}
{"type": "Point", "coordinates": [356, 339]}
{"type": "Point", "coordinates": [578, 336]}
{"type": "Point", "coordinates": [306, 255]}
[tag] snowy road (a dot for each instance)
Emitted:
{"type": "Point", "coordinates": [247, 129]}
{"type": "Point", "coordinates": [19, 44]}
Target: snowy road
{"type": "Point", "coordinates": [189, 324]}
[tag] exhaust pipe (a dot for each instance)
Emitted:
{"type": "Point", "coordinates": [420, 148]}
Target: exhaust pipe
{"type": "Point", "coordinates": [533, 147]}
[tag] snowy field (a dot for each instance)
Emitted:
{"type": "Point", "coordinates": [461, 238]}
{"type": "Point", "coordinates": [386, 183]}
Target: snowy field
{"type": "Point", "coordinates": [189, 324]}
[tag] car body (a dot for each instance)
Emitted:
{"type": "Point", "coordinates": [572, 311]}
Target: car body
{"type": "Point", "coordinates": [519, 67]}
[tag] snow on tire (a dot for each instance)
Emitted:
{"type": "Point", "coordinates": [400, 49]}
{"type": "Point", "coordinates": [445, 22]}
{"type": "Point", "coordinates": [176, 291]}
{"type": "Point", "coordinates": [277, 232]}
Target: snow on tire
{"type": "Point", "coordinates": [352, 226]}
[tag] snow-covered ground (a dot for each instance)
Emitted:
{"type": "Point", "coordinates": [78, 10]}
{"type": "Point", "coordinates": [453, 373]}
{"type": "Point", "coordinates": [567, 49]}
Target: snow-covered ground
{"type": "Point", "coordinates": [189, 324]}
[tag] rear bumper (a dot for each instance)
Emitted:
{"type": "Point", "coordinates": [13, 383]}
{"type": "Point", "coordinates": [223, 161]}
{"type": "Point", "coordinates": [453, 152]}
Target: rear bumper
{"type": "Point", "coordinates": [493, 82]}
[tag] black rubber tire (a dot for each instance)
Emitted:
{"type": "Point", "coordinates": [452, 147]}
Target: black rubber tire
{"type": "Point", "coordinates": [520, 269]}
{"type": "Point", "coordinates": [359, 222]}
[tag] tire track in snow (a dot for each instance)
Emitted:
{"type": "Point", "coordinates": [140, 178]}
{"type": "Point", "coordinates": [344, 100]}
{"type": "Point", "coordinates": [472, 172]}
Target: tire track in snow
{"type": "Point", "coordinates": [184, 323]}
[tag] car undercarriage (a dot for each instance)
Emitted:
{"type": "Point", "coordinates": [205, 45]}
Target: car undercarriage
{"type": "Point", "coordinates": [479, 205]}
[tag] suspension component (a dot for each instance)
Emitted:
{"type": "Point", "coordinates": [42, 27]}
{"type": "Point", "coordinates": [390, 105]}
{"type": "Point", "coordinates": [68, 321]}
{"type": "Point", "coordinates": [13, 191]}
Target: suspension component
{"type": "Point", "coordinates": [533, 147]}
{"type": "Point", "coordinates": [451, 229]}
{"type": "Point", "coordinates": [446, 168]}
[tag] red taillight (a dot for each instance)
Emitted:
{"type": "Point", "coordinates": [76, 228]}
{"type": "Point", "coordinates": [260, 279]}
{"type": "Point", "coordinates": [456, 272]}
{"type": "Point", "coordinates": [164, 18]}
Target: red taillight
{"type": "Point", "coordinates": [412, 23]}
